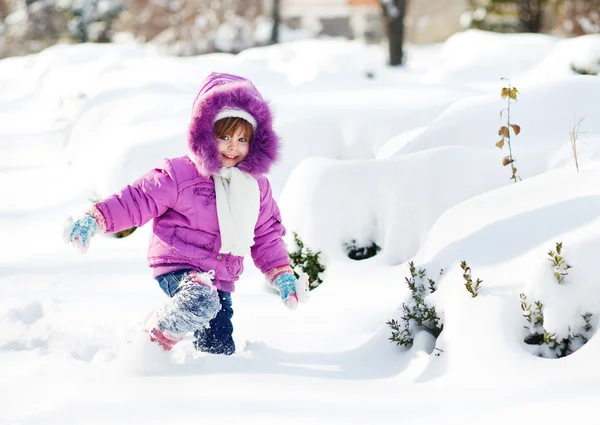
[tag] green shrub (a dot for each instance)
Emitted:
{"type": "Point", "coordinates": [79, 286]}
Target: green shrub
{"type": "Point", "coordinates": [473, 288]}
{"type": "Point", "coordinates": [552, 345]}
{"type": "Point", "coordinates": [417, 314]}
{"type": "Point", "coordinates": [304, 260]}
{"type": "Point", "coordinates": [559, 264]}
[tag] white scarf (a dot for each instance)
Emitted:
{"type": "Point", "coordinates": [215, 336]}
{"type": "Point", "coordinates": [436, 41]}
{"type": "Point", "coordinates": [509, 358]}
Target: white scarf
{"type": "Point", "coordinates": [238, 205]}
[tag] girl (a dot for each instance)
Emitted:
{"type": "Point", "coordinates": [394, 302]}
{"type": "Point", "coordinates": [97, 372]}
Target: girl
{"type": "Point", "coordinates": [210, 209]}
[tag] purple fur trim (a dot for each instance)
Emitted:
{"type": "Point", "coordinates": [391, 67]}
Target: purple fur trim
{"type": "Point", "coordinates": [224, 91]}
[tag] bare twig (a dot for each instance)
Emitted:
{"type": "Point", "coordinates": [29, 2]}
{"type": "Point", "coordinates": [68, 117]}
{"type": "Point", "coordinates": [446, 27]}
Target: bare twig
{"type": "Point", "coordinates": [574, 136]}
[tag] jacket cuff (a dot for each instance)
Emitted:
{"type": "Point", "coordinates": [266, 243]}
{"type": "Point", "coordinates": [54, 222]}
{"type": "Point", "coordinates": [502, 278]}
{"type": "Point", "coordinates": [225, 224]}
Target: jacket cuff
{"type": "Point", "coordinates": [272, 274]}
{"type": "Point", "coordinates": [99, 217]}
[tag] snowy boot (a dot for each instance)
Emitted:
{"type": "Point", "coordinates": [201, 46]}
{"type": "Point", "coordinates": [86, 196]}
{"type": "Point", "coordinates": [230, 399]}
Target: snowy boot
{"type": "Point", "coordinates": [163, 338]}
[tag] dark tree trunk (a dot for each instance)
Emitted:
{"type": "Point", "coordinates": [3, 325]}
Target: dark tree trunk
{"type": "Point", "coordinates": [393, 15]}
{"type": "Point", "coordinates": [530, 15]}
{"type": "Point", "coordinates": [3, 9]}
{"type": "Point", "coordinates": [276, 20]}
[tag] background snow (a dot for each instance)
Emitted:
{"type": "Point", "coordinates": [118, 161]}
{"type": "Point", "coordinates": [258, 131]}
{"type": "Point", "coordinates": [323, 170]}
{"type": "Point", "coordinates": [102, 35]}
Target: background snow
{"type": "Point", "coordinates": [404, 157]}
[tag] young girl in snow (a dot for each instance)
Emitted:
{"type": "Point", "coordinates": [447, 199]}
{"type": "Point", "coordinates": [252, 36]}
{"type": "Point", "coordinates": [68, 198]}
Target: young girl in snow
{"type": "Point", "coordinates": [210, 209]}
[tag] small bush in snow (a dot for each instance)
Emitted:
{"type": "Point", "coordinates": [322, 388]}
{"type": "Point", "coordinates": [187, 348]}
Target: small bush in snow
{"type": "Point", "coordinates": [492, 15]}
{"type": "Point", "coordinates": [92, 20]}
{"type": "Point", "coordinates": [361, 252]}
{"type": "Point", "coordinates": [587, 327]}
{"type": "Point", "coordinates": [510, 94]}
{"type": "Point", "coordinates": [535, 318]}
{"type": "Point", "coordinates": [473, 288]}
{"type": "Point", "coordinates": [554, 346]}
{"type": "Point", "coordinates": [558, 263]}
{"type": "Point", "coordinates": [303, 260]}
{"type": "Point", "coordinates": [590, 69]}
{"type": "Point", "coordinates": [417, 314]}
{"type": "Point", "coordinates": [551, 344]}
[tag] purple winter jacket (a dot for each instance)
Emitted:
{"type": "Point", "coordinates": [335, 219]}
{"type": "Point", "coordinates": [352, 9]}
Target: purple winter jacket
{"type": "Point", "coordinates": [179, 194]}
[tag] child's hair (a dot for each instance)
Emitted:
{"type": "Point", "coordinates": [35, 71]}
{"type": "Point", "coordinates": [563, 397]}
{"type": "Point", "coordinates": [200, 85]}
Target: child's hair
{"type": "Point", "coordinates": [228, 126]}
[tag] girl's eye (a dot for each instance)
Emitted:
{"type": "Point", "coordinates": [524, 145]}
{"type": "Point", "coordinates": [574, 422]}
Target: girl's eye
{"type": "Point", "coordinates": [243, 140]}
{"type": "Point", "coordinates": [224, 137]}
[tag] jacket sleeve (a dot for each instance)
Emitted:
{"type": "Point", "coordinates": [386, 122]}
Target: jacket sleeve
{"type": "Point", "coordinates": [148, 197]}
{"type": "Point", "coordinates": [269, 250]}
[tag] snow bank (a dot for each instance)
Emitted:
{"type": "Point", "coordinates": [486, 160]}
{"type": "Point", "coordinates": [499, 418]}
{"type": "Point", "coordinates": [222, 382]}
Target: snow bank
{"type": "Point", "coordinates": [391, 202]}
{"type": "Point", "coordinates": [546, 114]}
{"type": "Point", "coordinates": [475, 56]}
{"type": "Point", "coordinates": [581, 53]}
{"type": "Point", "coordinates": [506, 241]}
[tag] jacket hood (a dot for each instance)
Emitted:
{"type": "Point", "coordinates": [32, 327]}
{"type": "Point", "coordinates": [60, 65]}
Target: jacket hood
{"type": "Point", "coordinates": [222, 92]}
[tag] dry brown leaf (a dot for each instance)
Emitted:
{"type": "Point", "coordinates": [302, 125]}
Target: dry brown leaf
{"type": "Point", "coordinates": [506, 160]}
{"type": "Point", "coordinates": [500, 144]}
{"type": "Point", "coordinates": [516, 128]}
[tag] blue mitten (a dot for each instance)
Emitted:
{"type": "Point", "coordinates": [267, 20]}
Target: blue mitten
{"type": "Point", "coordinates": [282, 278]}
{"type": "Point", "coordinates": [80, 231]}
{"type": "Point", "coordinates": [285, 283]}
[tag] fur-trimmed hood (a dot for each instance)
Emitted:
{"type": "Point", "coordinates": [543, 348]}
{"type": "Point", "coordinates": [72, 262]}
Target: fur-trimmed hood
{"type": "Point", "coordinates": [226, 91]}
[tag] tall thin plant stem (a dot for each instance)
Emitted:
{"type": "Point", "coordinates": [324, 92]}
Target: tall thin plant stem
{"type": "Point", "coordinates": [574, 136]}
{"type": "Point", "coordinates": [510, 156]}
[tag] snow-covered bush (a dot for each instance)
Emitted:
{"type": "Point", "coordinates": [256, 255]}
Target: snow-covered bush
{"type": "Point", "coordinates": [33, 25]}
{"type": "Point", "coordinates": [590, 69]}
{"type": "Point", "coordinates": [562, 339]}
{"type": "Point", "coordinates": [91, 20]}
{"type": "Point", "coordinates": [493, 15]}
{"type": "Point", "coordinates": [357, 252]}
{"type": "Point", "coordinates": [417, 313]}
{"type": "Point", "coordinates": [304, 260]}
{"type": "Point", "coordinates": [378, 200]}
{"type": "Point", "coordinates": [551, 344]}
{"type": "Point", "coordinates": [194, 27]}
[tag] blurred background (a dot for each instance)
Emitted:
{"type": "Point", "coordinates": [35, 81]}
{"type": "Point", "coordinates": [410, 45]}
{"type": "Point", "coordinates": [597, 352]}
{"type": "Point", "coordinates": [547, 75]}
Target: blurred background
{"type": "Point", "coordinates": [194, 27]}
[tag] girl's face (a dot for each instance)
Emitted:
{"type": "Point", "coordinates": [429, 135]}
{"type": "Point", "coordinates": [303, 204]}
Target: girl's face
{"type": "Point", "coordinates": [233, 147]}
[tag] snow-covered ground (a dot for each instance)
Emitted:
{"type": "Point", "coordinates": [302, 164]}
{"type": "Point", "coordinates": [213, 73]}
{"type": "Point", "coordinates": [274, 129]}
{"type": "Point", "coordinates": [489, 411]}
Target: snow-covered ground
{"type": "Point", "coordinates": [402, 157]}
